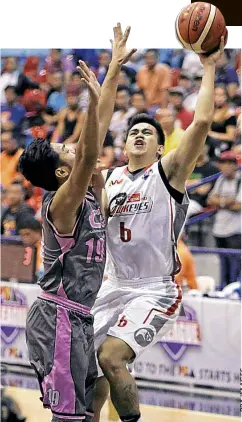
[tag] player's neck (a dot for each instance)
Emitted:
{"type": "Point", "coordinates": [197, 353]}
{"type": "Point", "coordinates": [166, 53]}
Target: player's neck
{"type": "Point", "coordinates": [139, 164]}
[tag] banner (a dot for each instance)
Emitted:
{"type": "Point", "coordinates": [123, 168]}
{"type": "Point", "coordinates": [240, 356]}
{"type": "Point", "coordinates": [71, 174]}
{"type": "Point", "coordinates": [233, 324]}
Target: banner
{"type": "Point", "coordinates": [197, 403]}
{"type": "Point", "coordinates": [16, 299]}
{"type": "Point", "coordinates": [203, 347]}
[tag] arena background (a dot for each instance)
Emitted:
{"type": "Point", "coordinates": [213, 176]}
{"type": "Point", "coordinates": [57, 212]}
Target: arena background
{"type": "Point", "coordinates": [197, 366]}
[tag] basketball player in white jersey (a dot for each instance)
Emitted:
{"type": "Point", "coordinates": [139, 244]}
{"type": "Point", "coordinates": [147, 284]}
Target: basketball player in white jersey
{"type": "Point", "coordinates": [145, 204]}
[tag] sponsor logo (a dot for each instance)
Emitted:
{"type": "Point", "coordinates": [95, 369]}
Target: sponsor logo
{"type": "Point", "coordinates": [115, 182]}
{"type": "Point", "coordinates": [136, 203]}
{"type": "Point", "coordinates": [144, 336]}
{"type": "Point", "coordinates": [13, 313]}
{"type": "Point", "coordinates": [198, 18]}
{"type": "Point", "coordinates": [184, 334]}
{"type": "Point", "coordinates": [147, 173]}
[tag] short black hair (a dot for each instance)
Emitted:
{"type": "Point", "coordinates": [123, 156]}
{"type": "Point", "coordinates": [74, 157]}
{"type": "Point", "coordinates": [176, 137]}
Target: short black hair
{"type": "Point", "coordinates": [124, 88]}
{"type": "Point", "coordinates": [11, 87]}
{"type": "Point", "coordinates": [138, 92]}
{"type": "Point", "coordinates": [28, 222]}
{"type": "Point", "coordinates": [154, 51]}
{"type": "Point", "coordinates": [38, 163]}
{"type": "Point", "coordinates": [145, 118]}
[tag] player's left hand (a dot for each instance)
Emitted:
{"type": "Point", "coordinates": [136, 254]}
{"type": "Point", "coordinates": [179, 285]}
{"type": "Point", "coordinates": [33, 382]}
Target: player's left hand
{"type": "Point", "coordinates": [213, 58]}
{"type": "Point", "coordinates": [88, 76]}
{"type": "Point", "coordinates": [120, 53]}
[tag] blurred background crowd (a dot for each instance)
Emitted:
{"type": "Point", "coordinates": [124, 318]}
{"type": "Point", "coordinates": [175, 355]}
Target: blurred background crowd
{"type": "Point", "coordinates": [42, 96]}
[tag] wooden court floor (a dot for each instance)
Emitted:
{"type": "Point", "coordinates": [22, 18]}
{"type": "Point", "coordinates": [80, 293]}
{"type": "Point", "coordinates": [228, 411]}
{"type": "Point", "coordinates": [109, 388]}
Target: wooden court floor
{"type": "Point", "coordinates": [31, 407]}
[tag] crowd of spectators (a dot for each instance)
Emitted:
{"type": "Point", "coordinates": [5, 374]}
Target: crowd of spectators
{"type": "Point", "coordinates": [44, 97]}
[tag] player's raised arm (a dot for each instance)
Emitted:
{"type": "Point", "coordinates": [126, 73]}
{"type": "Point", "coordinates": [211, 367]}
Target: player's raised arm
{"type": "Point", "coordinates": [179, 163]}
{"type": "Point", "coordinates": [69, 196]}
{"type": "Point", "coordinates": [120, 55]}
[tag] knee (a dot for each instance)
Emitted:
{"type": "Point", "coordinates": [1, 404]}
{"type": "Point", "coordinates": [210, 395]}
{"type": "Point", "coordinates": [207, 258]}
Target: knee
{"type": "Point", "coordinates": [109, 361]}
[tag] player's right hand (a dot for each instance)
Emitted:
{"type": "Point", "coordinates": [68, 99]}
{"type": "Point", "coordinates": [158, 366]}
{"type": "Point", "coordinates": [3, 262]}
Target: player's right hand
{"type": "Point", "coordinates": [90, 80]}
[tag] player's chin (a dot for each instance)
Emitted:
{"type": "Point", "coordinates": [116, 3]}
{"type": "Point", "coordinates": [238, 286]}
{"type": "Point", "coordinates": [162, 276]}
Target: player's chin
{"type": "Point", "coordinates": [139, 151]}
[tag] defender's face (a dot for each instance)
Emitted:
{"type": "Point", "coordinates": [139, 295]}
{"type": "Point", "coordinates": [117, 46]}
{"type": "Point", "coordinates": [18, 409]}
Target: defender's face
{"type": "Point", "coordinates": [66, 153]}
{"type": "Point", "coordinates": [142, 140]}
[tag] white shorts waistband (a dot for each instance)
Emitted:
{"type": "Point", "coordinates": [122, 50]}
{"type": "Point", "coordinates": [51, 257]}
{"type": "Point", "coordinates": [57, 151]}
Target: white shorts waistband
{"type": "Point", "coordinates": [139, 282]}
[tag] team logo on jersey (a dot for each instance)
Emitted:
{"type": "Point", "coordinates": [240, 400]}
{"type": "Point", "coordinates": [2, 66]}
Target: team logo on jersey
{"type": "Point", "coordinates": [144, 336]}
{"type": "Point", "coordinates": [115, 182]}
{"type": "Point", "coordinates": [135, 203]}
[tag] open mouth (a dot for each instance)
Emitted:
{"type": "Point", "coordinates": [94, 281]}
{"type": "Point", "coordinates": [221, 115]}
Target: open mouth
{"type": "Point", "coordinates": [139, 142]}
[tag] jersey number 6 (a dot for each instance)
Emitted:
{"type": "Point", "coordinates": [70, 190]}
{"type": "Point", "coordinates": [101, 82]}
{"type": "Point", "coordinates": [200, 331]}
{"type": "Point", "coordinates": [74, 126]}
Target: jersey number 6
{"type": "Point", "coordinates": [125, 234]}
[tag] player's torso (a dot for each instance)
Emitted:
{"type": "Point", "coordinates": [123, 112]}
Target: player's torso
{"type": "Point", "coordinates": [74, 264]}
{"type": "Point", "coordinates": [139, 243]}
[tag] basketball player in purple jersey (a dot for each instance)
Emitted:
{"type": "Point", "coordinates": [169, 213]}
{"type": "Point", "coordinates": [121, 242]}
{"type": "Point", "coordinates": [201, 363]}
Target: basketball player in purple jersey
{"type": "Point", "coordinates": [59, 329]}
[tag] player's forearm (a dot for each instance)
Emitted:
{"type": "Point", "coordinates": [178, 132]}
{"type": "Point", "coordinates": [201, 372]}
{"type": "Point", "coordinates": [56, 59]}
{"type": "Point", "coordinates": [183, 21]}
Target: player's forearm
{"type": "Point", "coordinates": [222, 136]}
{"type": "Point", "coordinates": [204, 110]}
{"type": "Point", "coordinates": [88, 146]}
{"type": "Point", "coordinates": [107, 99]}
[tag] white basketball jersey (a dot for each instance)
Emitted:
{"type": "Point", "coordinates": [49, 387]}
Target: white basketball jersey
{"type": "Point", "coordinates": [144, 222]}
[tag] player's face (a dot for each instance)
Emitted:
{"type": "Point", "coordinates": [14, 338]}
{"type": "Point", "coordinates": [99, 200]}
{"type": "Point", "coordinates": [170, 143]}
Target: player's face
{"type": "Point", "coordinates": [66, 153]}
{"type": "Point", "coordinates": [142, 140]}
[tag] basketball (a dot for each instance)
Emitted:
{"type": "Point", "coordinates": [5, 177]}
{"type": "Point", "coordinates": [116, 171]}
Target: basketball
{"type": "Point", "coordinates": [200, 26]}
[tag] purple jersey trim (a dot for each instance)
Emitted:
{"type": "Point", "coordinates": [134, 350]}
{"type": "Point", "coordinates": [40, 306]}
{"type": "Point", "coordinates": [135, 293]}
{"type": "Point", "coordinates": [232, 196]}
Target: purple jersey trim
{"type": "Point", "coordinates": [59, 380]}
{"type": "Point", "coordinates": [67, 303]}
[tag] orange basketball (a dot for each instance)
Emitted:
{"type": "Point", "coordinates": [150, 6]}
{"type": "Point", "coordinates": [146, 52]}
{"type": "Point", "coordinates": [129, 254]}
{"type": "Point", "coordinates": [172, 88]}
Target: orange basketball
{"type": "Point", "coordinates": [200, 26]}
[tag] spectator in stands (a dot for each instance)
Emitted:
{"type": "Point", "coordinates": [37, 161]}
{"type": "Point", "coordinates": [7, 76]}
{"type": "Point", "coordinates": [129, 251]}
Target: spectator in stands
{"type": "Point", "coordinates": [237, 142]}
{"type": "Point", "coordinates": [12, 112]}
{"type": "Point", "coordinates": [39, 120]}
{"type": "Point", "coordinates": [124, 79]}
{"type": "Point", "coordinates": [70, 119]}
{"type": "Point", "coordinates": [15, 210]}
{"type": "Point", "coordinates": [191, 63]}
{"type": "Point", "coordinates": [226, 74]}
{"type": "Point", "coordinates": [30, 231]}
{"type": "Point", "coordinates": [185, 81]}
{"type": "Point", "coordinates": [222, 133]}
{"type": "Point", "coordinates": [104, 61]}
{"type": "Point", "coordinates": [57, 95]}
{"type": "Point", "coordinates": [80, 89]}
{"type": "Point", "coordinates": [12, 76]}
{"type": "Point", "coordinates": [173, 136]}
{"type": "Point", "coordinates": [9, 158]}
{"type": "Point", "coordinates": [226, 197]}
{"type": "Point", "coordinates": [56, 62]}
{"type": "Point", "coordinates": [191, 100]}
{"type": "Point", "coordinates": [183, 117]}
{"type": "Point", "coordinates": [154, 79]}
{"type": "Point", "coordinates": [186, 278]}
{"type": "Point", "coordinates": [138, 102]}
{"type": "Point", "coordinates": [119, 123]}
{"type": "Point", "coordinates": [204, 168]}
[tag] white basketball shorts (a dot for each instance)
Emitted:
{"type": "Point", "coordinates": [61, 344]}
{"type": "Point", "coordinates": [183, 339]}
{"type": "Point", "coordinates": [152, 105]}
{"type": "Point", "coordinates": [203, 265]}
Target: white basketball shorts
{"type": "Point", "coordinates": [139, 313]}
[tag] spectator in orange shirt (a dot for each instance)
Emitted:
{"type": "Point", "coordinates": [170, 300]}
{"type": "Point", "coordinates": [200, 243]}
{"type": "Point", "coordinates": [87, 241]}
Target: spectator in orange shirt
{"type": "Point", "coordinates": [154, 79]}
{"type": "Point", "coordinates": [187, 276]}
{"type": "Point", "coordinates": [9, 158]}
{"type": "Point", "coordinates": [31, 232]}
